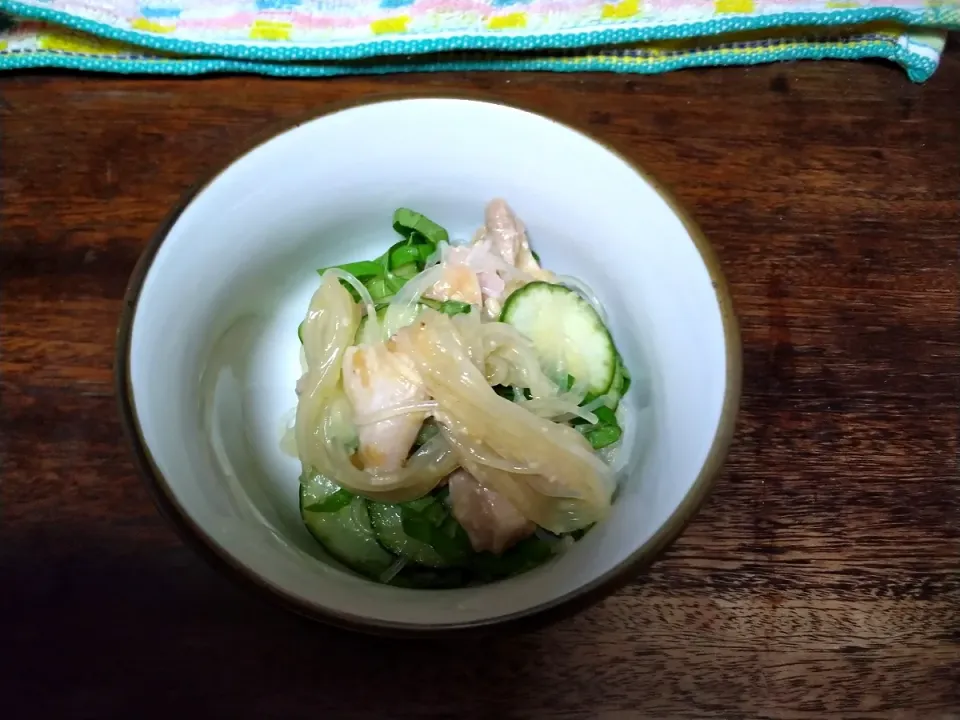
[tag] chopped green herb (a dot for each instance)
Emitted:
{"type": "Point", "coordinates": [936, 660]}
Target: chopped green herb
{"type": "Point", "coordinates": [448, 307]}
{"type": "Point", "coordinates": [603, 435]}
{"type": "Point", "coordinates": [406, 271]}
{"type": "Point", "coordinates": [411, 224]}
{"type": "Point", "coordinates": [379, 289]}
{"type": "Point", "coordinates": [362, 270]}
{"type": "Point", "coordinates": [605, 416]}
{"type": "Point", "coordinates": [402, 254]}
{"type": "Point", "coordinates": [394, 282]}
{"type": "Point", "coordinates": [433, 525]}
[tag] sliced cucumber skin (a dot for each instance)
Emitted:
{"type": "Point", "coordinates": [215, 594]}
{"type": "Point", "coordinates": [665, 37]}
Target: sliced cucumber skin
{"type": "Point", "coordinates": [525, 305]}
{"type": "Point", "coordinates": [345, 534]}
{"type": "Point", "coordinates": [387, 522]}
{"type": "Point", "coordinates": [615, 393]}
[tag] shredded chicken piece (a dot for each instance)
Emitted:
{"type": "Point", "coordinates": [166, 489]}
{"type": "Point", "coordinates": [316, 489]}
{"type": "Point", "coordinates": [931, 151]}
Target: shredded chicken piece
{"type": "Point", "coordinates": [457, 282]}
{"type": "Point", "coordinates": [506, 236]}
{"type": "Point", "coordinates": [475, 273]}
{"type": "Point", "coordinates": [491, 521]}
{"type": "Point", "coordinates": [376, 378]}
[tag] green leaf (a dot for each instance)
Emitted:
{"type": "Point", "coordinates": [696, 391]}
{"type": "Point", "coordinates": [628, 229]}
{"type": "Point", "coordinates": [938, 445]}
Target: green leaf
{"type": "Point", "coordinates": [425, 250]}
{"type": "Point", "coordinates": [410, 223]}
{"type": "Point", "coordinates": [362, 270]}
{"type": "Point", "coordinates": [379, 289]}
{"type": "Point", "coordinates": [406, 271]}
{"type": "Point", "coordinates": [455, 307]}
{"type": "Point", "coordinates": [300, 330]}
{"type": "Point", "coordinates": [536, 257]}
{"type": "Point", "coordinates": [448, 307]}
{"type": "Point", "coordinates": [332, 503]}
{"type": "Point", "coordinates": [394, 282]}
{"type": "Point", "coordinates": [429, 520]}
{"type": "Point", "coordinates": [605, 416]}
{"type": "Point", "coordinates": [403, 254]}
{"type": "Point", "coordinates": [418, 527]}
{"type": "Point", "coordinates": [603, 435]}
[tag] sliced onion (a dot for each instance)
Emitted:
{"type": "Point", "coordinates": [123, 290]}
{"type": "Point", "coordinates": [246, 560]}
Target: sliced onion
{"type": "Point", "coordinates": [362, 291]}
{"type": "Point", "coordinates": [391, 572]}
{"type": "Point", "coordinates": [461, 443]}
{"type": "Point", "coordinates": [388, 413]}
{"type": "Point", "coordinates": [403, 308]}
{"type": "Point", "coordinates": [557, 409]}
{"type": "Point", "coordinates": [596, 403]}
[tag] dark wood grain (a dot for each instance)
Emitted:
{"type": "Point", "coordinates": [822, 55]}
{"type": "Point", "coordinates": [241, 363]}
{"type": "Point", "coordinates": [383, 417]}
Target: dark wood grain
{"type": "Point", "coordinates": [821, 580]}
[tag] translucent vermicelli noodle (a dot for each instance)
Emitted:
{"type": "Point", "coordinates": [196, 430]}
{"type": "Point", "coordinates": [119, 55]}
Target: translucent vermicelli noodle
{"type": "Point", "coordinates": [455, 415]}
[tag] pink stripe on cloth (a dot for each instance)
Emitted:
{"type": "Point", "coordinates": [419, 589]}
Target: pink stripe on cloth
{"type": "Point", "coordinates": [299, 20]}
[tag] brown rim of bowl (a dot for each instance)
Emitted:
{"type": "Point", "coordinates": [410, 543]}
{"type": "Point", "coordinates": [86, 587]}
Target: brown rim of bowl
{"type": "Point", "coordinates": [540, 615]}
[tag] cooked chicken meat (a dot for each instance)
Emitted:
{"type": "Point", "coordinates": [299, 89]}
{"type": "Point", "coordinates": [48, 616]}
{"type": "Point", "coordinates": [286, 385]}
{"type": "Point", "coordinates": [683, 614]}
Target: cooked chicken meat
{"type": "Point", "coordinates": [491, 521]}
{"type": "Point", "coordinates": [376, 379]}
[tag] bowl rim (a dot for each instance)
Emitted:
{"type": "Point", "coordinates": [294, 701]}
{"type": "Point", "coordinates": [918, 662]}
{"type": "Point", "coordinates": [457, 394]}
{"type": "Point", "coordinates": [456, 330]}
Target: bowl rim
{"type": "Point", "coordinates": [570, 603]}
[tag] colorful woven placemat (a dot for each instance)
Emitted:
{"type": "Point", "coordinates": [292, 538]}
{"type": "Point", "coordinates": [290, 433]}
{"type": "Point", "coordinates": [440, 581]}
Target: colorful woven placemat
{"type": "Point", "coordinates": [337, 37]}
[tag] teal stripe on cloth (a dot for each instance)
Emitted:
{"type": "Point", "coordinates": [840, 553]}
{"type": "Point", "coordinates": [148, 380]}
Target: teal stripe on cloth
{"type": "Point", "coordinates": [941, 16]}
{"type": "Point", "coordinates": [918, 68]}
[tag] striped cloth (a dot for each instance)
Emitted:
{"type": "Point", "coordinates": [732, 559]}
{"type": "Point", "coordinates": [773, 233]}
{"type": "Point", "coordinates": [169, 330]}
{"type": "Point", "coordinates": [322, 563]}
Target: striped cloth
{"type": "Point", "coordinates": [338, 37]}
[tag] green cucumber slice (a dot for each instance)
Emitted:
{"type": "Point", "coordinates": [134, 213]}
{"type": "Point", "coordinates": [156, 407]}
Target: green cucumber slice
{"type": "Point", "coordinates": [422, 531]}
{"type": "Point", "coordinates": [567, 333]}
{"type": "Point", "coordinates": [342, 525]}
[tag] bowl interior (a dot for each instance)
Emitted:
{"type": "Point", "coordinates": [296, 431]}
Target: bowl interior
{"type": "Point", "coordinates": [214, 354]}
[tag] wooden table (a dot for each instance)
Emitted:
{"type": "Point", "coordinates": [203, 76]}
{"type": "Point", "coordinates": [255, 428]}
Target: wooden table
{"type": "Point", "coordinates": [821, 580]}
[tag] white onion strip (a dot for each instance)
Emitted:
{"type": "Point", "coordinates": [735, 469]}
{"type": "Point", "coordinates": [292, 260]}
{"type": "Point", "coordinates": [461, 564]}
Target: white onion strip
{"type": "Point", "coordinates": [362, 291]}
{"type": "Point", "coordinates": [427, 406]}
{"type": "Point", "coordinates": [402, 309]}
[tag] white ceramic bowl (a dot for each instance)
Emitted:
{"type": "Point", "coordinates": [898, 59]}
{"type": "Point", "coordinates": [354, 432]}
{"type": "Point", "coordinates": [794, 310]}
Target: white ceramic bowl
{"type": "Point", "coordinates": [208, 352]}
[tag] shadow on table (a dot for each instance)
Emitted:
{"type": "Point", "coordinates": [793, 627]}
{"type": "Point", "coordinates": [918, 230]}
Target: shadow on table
{"type": "Point", "coordinates": [96, 629]}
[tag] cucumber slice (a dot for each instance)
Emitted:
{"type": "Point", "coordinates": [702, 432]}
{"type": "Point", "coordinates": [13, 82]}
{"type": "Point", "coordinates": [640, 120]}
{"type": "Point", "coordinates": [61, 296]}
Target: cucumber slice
{"type": "Point", "coordinates": [618, 387]}
{"type": "Point", "coordinates": [422, 531]}
{"type": "Point", "coordinates": [387, 521]}
{"type": "Point", "coordinates": [342, 525]}
{"type": "Point", "coordinates": [568, 335]}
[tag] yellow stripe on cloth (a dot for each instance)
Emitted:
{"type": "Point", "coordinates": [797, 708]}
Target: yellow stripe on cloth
{"type": "Point", "coordinates": [390, 25]}
{"type": "Point", "coordinates": [621, 10]}
{"type": "Point", "coordinates": [505, 22]}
